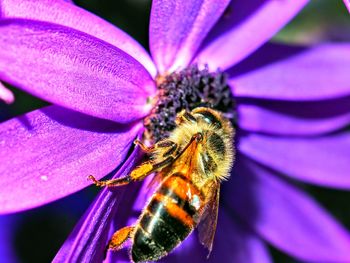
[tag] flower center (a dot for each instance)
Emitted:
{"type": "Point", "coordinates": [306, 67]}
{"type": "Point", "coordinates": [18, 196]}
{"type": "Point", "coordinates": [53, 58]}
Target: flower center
{"type": "Point", "coordinates": [187, 89]}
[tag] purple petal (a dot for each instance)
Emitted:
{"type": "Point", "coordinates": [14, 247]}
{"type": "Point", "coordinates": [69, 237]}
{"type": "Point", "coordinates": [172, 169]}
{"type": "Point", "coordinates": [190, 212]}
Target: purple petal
{"type": "Point", "coordinates": [245, 26]}
{"type": "Point", "coordinates": [285, 216]}
{"type": "Point", "coordinates": [74, 70]}
{"type": "Point", "coordinates": [6, 95]}
{"type": "Point", "coordinates": [293, 118]}
{"type": "Point", "coordinates": [64, 13]}
{"type": "Point", "coordinates": [316, 73]}
{"type": "Point", "coordinates": [317, 160]}
{"type": "Point", "coordinates": [177, 28]}
{"type": "Point", "coordinates": [48, 154]}
{"type": "Point", "coordinates": [347, 4]}
{"type": "Point", "coordinates": [89, 238]}
{"type": "Point", "coordinates": [191, 249]}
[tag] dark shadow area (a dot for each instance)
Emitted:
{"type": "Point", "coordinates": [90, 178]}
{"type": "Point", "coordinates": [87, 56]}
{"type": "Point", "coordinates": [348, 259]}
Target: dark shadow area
{"type": "Point", "coordinates": [39, 233]}
{"type": "Point", "coordinates": [82, 121]}
{"type": "Point", "coordinates": [5, 112]}
{"type": "Point", "coordinates": [279, 256]}
{"type": "Point", "coordinates": [267, 54]}
{"type": "Point", "coordinates": [304, 109]}
{"type": "Point", "coordinates": [130, 16]}
{"type": "Point", "coordinates": [334, 200]}
{"type": "Point", "coordinates": [24, 103]}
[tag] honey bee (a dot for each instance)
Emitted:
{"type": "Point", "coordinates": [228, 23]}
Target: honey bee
{"type": "Point", "coordinates": [190, 164]}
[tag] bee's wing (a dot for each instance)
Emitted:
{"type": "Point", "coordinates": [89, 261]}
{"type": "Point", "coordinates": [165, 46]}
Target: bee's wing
{"type": "Point", "coordinates": [207, 224]}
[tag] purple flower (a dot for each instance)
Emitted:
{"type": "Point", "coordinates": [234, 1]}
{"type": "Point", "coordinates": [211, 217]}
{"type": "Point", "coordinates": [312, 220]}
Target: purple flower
{"type": "Point", "coordinates": [292, 106]}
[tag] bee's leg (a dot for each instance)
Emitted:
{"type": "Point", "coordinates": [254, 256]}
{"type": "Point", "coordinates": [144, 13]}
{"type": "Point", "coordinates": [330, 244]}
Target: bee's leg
{"type": "Point", "coordinates": [162, 144]}
{"type": "Point", "coordinates": [143, 147]}
{"type": "Point", "coordinates": [184, 116]}
{"type": "Point", "coordinates": [119, 238]}
{"type": "Point", "coordinates": [170, 147]}
{"type": "Point", "coordinates": [138, 174]}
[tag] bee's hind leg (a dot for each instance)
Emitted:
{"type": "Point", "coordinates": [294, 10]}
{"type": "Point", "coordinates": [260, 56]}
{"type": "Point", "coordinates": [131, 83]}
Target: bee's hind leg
{"type": "Point", "coordinates": [119, 238]}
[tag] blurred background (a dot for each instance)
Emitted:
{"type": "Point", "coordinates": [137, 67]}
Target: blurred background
{"type": "Point", "coordinates": [36, 235]}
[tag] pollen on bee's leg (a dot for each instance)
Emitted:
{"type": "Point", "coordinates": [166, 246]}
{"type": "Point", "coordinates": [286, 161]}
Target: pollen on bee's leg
{"type": "Point", "coordinates": [138, 174]}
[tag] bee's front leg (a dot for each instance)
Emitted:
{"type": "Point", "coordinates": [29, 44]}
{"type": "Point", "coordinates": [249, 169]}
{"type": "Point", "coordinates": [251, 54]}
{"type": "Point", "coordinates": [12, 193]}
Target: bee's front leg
{"type": "Point", "coordinates": [166, 146]}
{"type": "Point", "coordinates": [144, 147]}
{"type": "Point", "coordinates": [138, 174]}
{"type": "Point", "coordinates": [168, 149]}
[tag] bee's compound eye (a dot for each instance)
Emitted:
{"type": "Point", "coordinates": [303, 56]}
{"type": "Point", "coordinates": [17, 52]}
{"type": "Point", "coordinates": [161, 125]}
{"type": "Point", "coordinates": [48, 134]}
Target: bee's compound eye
{"type": "Point", "coordinates": [210, 118]}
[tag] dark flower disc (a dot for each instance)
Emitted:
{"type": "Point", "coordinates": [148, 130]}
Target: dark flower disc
{"type": "Point", "coordinates": [187, 89]}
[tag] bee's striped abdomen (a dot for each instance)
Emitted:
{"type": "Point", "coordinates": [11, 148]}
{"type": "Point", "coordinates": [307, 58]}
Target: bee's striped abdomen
{"type": "Point", "coordinates": [168, 218]}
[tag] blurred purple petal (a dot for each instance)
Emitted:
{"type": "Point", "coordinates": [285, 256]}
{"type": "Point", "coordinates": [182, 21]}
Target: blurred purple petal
{"type": "Point", "coordinates": [63, 13]}
{"type": "Point", "coordinates": [293, 118]}
{"type": "Point", "coordinates": [245, 26]}
{"type": "Point", "coordinates": [6, 95]}
{"type": "Point", "coordinates": [73, 69]}
{"type": "Point", "coordinates": [48, 154]}
{"type": "Point", "coordinates": [347, 4]}
{"type": "Point", "coordinates": [317, 160]}
{"type": "Point", "coordinates": [232, 241]}
{"type": "Point", "coordinates": [285, 216]}
{"type": "Point", "coordinates": [236, 242]}
{"type": "Point", "coordinates": [189, 250]}
{"type": "Point", "coordinates": [177, 28]}
{"type": "Point", "coordinates": [7, 230]}
{"type": "Point", "coordinates": [317, 73]}
{"type": "Point", "coordinates": [89, 238]}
